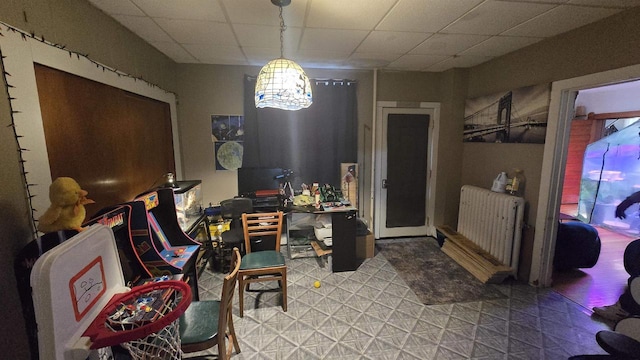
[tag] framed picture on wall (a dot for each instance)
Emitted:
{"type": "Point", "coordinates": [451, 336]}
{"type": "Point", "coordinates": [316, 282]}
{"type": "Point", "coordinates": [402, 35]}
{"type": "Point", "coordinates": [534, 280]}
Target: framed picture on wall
{"type": "Point", "coordinates": [227, 127]}
{"type": "Point", "coordinates": [515, 116]}
{"type": "Point", "coordinates": [227, 134]}
{"type": "Point", "coordinates": [228, 155]}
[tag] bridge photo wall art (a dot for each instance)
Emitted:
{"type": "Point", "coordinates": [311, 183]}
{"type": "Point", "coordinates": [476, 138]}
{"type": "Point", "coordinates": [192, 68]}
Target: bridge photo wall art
{"type": "Point", "coordinates": [516, 116]}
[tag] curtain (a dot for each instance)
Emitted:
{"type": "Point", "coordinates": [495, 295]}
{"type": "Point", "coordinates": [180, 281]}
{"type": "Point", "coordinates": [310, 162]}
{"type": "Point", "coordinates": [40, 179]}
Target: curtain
{"type": "Point", "coordinates": [311, 142]}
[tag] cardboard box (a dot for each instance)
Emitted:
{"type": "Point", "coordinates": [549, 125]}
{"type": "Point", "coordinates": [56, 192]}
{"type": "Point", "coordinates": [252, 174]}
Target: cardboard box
{"type": "Point", "coordinates": [365, 246]}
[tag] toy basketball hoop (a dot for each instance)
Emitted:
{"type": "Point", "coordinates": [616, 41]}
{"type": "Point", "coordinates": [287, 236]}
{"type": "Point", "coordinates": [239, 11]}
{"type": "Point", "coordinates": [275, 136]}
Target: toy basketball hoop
{"type": "Point", "coordinates": [144, 320]}
{"type": "Point", "coordinates": [82, 305]}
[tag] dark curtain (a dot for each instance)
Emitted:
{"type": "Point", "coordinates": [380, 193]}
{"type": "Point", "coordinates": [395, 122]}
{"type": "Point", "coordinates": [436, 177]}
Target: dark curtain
{"type": "Point", "coordinates": [311, 142]}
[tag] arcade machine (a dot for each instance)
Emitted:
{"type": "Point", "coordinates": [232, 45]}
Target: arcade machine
{"type": "Point", "coordinates": [129, 225]}
{"type": "Point", "coordinates": [143, 246]}
{"type": "Point", "coordinates": [168, 249]}
{"type": "Point", "coordinates": [192, 218]}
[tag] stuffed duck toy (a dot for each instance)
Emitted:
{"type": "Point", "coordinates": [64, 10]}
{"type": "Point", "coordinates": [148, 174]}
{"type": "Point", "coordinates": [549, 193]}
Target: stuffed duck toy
{"type": "Point", "coordinates": [66, 211]}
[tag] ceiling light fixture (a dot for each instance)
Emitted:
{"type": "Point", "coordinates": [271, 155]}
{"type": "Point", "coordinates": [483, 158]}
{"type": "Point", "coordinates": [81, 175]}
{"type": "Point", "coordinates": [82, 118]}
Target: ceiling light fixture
{"type": "Point", "coordinates": [282, 84]}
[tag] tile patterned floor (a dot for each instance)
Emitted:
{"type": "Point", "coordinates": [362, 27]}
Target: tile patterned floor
{"type": "Point", "coordinates": [372, 314]}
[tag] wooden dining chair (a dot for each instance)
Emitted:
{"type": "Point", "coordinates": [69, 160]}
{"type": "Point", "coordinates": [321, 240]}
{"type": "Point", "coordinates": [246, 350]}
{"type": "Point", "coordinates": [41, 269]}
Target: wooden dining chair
{"type": "Point", "coordinates": [265, 264]}
{"type": "Point", "coordinates": [208, 323]}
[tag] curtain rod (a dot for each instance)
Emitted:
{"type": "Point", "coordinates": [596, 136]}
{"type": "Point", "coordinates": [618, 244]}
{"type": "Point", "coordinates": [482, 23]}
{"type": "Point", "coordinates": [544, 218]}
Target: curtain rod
{"type": "Point", "coordinates": [334, 81]}
{"type": "Point", "coordinates": [326, 81]}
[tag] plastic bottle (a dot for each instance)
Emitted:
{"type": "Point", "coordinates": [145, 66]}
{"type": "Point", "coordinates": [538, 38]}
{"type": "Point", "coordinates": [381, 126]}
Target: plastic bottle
{"type": "Point", "coordinates": [317, 198]}
{"type": "Point", "coordinates": [500, 182]}
{"type": "Point", "coordinates": [517, 183]}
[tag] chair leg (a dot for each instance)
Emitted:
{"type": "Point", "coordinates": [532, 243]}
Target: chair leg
{"type": "Point", "coordinates": [232, 334]}
{"type": "Point", "coordinates": [284, 290]}
{"type": "Point", "coordinates": [241, 294]}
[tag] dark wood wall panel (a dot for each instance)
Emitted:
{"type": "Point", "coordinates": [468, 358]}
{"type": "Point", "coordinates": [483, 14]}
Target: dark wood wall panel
{"type": "Point", "coordinates": [116, 144]}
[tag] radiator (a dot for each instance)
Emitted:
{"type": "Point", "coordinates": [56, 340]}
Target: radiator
{"type": "Point", "coordinates": [493, 221]}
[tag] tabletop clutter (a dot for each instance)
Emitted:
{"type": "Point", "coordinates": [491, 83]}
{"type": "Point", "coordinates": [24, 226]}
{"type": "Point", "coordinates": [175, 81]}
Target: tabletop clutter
{"type": "Point", "coordinates": [324, 197]}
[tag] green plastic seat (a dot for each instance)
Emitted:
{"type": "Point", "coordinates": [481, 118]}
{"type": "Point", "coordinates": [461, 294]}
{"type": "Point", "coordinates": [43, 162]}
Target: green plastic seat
{"type": "Point", "coordinates": [192, 330]}
{"type": "Point", "coordinates": [262, 259]}
{"type": "Point", "coordinates": [204, 321]}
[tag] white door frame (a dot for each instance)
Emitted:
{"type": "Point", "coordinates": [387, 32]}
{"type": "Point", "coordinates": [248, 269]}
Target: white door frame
{"type": "Point", "coordinates": [434, 126]}
{"type": "Point", "coordinates": [561, 110]}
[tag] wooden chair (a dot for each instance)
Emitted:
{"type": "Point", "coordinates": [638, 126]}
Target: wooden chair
{"type": "Point", "coordinates": [202, 325]}
{"type": "Point", "coordinates": [263, 265]}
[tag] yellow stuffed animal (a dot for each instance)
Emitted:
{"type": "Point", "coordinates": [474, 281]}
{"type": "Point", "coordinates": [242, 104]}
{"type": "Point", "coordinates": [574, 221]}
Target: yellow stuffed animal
{"type": "Point", "coordinates": [66, 211]}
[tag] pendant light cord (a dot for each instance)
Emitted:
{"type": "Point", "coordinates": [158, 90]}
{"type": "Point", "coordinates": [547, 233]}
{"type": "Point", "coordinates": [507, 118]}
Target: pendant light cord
{"type": "Point", "coordinates": [282, 29]}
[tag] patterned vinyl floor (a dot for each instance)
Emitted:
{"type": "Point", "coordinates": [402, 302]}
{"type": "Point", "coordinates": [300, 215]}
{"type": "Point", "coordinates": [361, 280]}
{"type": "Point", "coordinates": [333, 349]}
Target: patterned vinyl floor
{"type": "Point", "coordinates": [372, 314]}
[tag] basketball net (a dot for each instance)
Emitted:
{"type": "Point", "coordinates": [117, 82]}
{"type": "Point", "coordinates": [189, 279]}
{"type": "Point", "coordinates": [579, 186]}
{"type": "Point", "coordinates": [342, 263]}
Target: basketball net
{"type": "Point", "coordinates": [164, 344]}
{"type": "Point", "coordinates": [145, 321]}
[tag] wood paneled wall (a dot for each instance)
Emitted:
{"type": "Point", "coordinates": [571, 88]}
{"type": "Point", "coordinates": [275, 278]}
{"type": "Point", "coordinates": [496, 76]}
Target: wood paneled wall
{"type": "Point", "coordinates": [583, 133]}
{"type": "Point", "coordinates": [114, 143]}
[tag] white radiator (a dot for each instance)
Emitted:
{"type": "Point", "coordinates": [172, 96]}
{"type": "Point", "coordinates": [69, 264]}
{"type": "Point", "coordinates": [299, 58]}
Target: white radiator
{"type": "Point", "coordinates": [493, 221]}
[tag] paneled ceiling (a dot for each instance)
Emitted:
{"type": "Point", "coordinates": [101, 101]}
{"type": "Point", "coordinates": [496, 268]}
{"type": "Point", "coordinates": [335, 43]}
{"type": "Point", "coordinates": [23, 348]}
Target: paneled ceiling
{"type": "Point", "coordinates": [418, 35]}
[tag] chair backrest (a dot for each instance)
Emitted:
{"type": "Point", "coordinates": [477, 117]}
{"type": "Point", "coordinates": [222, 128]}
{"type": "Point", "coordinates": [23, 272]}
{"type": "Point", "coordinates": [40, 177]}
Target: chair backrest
{"type": "Point", "coordinates": [226, 300]}
{"type": "Point", "coordinates": [234, 208]}
{"type": "Point", "coordinates": [259, 225]}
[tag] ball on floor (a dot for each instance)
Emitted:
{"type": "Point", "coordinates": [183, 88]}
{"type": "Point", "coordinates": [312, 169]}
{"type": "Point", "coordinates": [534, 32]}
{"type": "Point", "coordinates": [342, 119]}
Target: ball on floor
{"type": "Point", "coordinates": [316, 284]}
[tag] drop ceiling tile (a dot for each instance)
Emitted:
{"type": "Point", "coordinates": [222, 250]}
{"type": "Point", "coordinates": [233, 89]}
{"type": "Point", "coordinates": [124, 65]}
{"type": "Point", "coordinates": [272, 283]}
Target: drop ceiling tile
{"type": "Point", "coordinates": [448, 44]}
{"type": "Point", "coordinates": [622, 4]}
{"type": "Point", "coordinates": [341, 32]}
{"type": "Point", "coordinates": [314, 58]}
{"type": "Point", "coordinates": [307, 55]}
{"type": "Point", "coordinates": [458, 62]}
{"type": "Point", "coordinates": [215, 54]}
{"type": "Point", "coordinates": [416, 62]}
{"type": "Point", "coordinates": [352, 14]}
{"type": "Point", "coordinates": [332, 40]}
{"type": "Point", "coordinates": [183, 9]}
{"type": "Point", "coordinates": [198, 32]}
{"type": "Point", "coordinates": [494, 17]}
{"type": "Point", "coordinates": [441, 66]}
{"type": "Point", "coordinates": [117, 7]}
{"type": "Point", "coordinates": [174, 51]}
{"type": "Point", "coordinates": [261, 55]}
{"type": "Point", "coordinates": [258, 56]}
{"type": "Point", "coordinates": [267, 36]}
{"type": "Point", "coordinates": [499, 45]}
{"type": "Point", "coordinates": [143, 27]}
{"type": "Point", "coordinates": [391, 41]}
{"type": "Point", "coordinates": [263, 12]}
{"type": "Point", "coordinates": [559, 20]}
{"type": "Point", "coordinates": [427, 16]}
{"type": "Point", "coordinates": [364, 60]}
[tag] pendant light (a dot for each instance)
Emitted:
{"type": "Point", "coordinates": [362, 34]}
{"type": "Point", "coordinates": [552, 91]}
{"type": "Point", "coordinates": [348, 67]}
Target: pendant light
{"type": "Point", "coordinates": [281, 83]}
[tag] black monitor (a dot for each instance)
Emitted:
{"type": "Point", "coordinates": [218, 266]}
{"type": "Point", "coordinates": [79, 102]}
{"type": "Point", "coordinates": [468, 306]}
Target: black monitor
{"type": "Point", "coordinates": [252, 179]}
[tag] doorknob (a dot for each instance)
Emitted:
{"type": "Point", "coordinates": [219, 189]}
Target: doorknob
{"type": "Point", "coordinates": [385, 184]}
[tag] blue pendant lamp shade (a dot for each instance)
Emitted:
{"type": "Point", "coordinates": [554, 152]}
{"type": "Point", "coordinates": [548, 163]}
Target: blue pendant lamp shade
{"type": "Point", "coordinates": [281, 83]}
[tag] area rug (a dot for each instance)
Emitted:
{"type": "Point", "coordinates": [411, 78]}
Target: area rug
{"type": "Point", "coordinates": [433, 275]}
